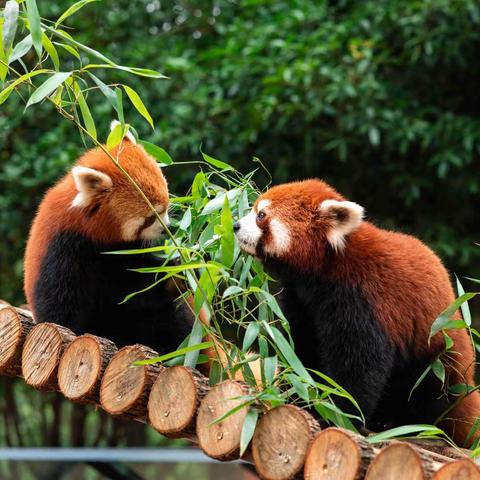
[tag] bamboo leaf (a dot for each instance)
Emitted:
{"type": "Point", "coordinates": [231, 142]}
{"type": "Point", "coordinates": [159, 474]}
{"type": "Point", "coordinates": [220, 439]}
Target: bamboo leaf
{"type": "Point", "coordinates": [217, 202]}
{"type": "Point", "coordinates": [227, 241]}
{"type": "Point", "coordinates": [216, 163]}
{"type": "Point", "coordinates": [176, 353]}
{"type": "Point", "coordinates": [439, 370]}
{"type": "Point", "coordinates": [51, 50]}
{"type": "Point", "coordinates": [107, 91]}
{"type": "Point", "coordinates": [138, 104]}
{"type": "Point", "coordinates": [21, 48]}
{"type": "Point", "coordinates": [71, 50]}
{"type": "Point", "coordinates": [72, 9]}
{"type": "Point", "coordinates": [288, 353]}
{"type": "Point", "coordinates": [10, 19]}
{"type": "Point", "coordinates": [115, 136]}
{"type": "Point", "coordinates": [47, 87]}
{"type": "Point", "coordinates": [35, 28]}
{"type": "Point", "coordinates": [8, 90]}
{"type": "Point", "coordinates": [404, 430]}
{"type": "Point", "coordinates": [141, 72]}
{"type": "Point", "coordinates": [158, 153]}
{"type": "Point", "coordinates": [186, 219]}
{"type": "Point", "coordinates": [443, 321]}
{"type": "Point", "coordinates": [251, 333]}
{"type": "Point", "coordinates": [248, 429]}
{"type": "Point", "coordinates": [195, 339]}
{"type": "Point", "coordinates": [87, 116]}
{"type": "Point", "coordinates": [464, 307]}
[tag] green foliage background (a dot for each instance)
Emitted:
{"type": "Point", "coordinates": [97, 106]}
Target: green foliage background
{"type": "Point", "coordinates": [378, 97]}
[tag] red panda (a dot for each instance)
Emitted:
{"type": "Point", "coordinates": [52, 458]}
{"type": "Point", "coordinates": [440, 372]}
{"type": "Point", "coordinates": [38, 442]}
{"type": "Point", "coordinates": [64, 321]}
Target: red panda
{"type": "Point", "coordinates": [91, 210]}
{"type": "Point", "coordinates": [361, 301]}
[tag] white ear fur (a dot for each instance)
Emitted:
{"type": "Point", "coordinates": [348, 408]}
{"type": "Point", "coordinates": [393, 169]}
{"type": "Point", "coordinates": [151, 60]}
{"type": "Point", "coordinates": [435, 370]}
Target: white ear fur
{"type": "Point", "coordinates": [88, 182]}
{"type": "Point", "coordinates": [128, 135]}
{"type": "Point", "coordinates": [347, 218]}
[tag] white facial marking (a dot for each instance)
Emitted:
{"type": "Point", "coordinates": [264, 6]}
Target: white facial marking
{"type": "Point", "coordinates": [88, 182]}
{"type": "Point", "coordinates": [156, 228]}
{"type": "Point", "coordinates": [130, 228]}
{"type": "Point", "coordinates": [248, 234]}
{"type": "Point", "coordinates": [280, 238]}
{"type": "Point", "coordinates": [263, 204]}
{"type": "Point", "coordinates": [128, 135]}
{"type": "Point", "coordinates": [341, 228]}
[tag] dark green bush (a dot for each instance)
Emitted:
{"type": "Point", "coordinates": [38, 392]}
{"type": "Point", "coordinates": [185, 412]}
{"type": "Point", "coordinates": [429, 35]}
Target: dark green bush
{"type": "Point", "coordinates": [378, 97]}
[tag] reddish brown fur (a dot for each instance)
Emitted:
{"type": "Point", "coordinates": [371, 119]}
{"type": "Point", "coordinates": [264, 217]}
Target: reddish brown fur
{"type": "Point", "coordinates": [122, 201]}
{"type": "Point", "coordinates": [402, 278]}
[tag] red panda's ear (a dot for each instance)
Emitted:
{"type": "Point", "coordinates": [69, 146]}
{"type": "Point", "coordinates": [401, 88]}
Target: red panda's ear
{"type": "Point", "coordinates": [345, 217]}
{"type": "Point", "coordinates": [89, 183]}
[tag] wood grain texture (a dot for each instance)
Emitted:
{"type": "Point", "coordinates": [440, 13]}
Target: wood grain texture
{"type": "Point", "coordinates": [82, 366]}
{"type": "Point", "coordinates": [221, 440]}
{"type": "Point", "coordinates": [15, 325]}
{"type": "Point", "coordinates": [125, 388]}
{"type": "Point", "coordinates": [280, 442]}
{"type": "Point", "coordinates": [174, 401]}
{"type": "Point", "coordinates": [337, 453]}
{"type": "Point", "coordinates": [41, 354]}
{"type": "Point", "coordinates": [458, 470]}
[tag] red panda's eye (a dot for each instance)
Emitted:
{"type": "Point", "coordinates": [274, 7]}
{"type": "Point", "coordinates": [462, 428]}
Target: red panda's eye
{"type": "Point", "coordinates": [260, 216]}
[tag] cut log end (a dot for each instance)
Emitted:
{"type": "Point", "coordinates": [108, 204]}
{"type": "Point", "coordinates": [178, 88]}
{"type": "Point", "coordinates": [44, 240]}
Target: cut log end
{"type": "Point", "coordinates": [174, 401]}
{"type": "Point", "coordinates": [337, 453]}
{"type": "Point", "coordinates": [393, 461]}
{"type": "Point", "coordinates": [81, 367]}
{"type": "Point", "coordinates": [41, 354]}
{"type": "Point", "coordinates": [125, 388]}
{"type": "Point", "coordinates": [14, 328]}
{"type": "Point", "coordinates": [458, 470]}
{"type": "Point", "coordinates": [280, 442]}
{"type": "Point", "coordinates": [221, 440]}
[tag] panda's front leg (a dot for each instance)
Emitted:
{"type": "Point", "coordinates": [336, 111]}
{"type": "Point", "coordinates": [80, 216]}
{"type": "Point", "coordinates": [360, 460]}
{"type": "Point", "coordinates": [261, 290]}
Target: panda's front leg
{"type": "Point", "coordinates": [357, 354]}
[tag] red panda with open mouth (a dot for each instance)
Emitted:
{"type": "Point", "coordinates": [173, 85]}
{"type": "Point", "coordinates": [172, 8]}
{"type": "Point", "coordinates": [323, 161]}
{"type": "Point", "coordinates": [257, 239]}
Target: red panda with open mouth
{"type": "Point", "coordinates": [95, 209]}
{"type": "Point", "coordinates": [361, 301]}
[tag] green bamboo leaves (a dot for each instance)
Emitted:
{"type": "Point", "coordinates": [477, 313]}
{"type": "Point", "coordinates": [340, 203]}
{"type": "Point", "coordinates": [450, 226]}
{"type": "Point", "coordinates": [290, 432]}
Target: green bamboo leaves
{"type": "Point", "coordinates": [35, 27]}
{"type": "Point", "coordinates": [138, 104]}
{"type": "Point", "coordinates": [48, 87]}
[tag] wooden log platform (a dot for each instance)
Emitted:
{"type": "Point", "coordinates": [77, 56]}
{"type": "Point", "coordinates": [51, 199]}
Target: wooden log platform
{"type": "Point", "coordinates": [178, 402]}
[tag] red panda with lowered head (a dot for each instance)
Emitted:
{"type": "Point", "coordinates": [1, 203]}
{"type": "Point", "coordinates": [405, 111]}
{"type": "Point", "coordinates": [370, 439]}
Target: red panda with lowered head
{"type": "Point", "coordinates": [360, 301]}
{"type": "Point", "coordinates": [95, 209]}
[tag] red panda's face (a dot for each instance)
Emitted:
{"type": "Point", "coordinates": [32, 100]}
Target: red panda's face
{"type": "Point", "coordinates": [108, 200]}
{"type": "Point", "coordinates": [295, 222]}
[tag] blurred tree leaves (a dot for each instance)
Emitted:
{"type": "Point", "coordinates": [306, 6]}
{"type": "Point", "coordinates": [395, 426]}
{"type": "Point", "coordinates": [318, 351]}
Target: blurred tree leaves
{"type": "Point", "coordinates": [378, 97]}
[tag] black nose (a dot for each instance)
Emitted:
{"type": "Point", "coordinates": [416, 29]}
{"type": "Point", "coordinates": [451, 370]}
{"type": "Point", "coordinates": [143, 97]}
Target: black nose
{"type": "Point", "coordinates": [236, 226]}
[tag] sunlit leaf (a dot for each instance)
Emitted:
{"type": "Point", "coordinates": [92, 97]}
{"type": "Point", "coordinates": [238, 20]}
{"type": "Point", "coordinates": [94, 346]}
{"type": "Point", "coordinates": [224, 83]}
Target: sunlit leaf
{"type": "Point", "coordinates": [443, 321]}
{"type": "Point", "coordinates": [181, 351]}
{"type": "Point", "coordinates": [186, 219]}
{"type": "Point", "coordinates": [158, 153]}
{"type": "Point", "coordinates": [51, 50]}
{"type": "Point", "coordinates": [138, 104]}
{"type": "Point", "coordinates": [10, 19]}
{"type": "Point", "coordinates": [217, 202]}
{"type": "Point", "coordinates": [87, 116]}
{"type": "Point", "coordinates": [20, 49]}
{"type": "Point", "coordinates": [115, 136]}
{"type": "Point", "coordinates": [196, 336]}
{"type": "Point", "coordinates": [403, 431]}
{"type": "Point", "coordinates": [72, 9]}
{"type": "Point", "coordinates": [230, 291]}
{"type": "Point", "coordinates": [467, 317]}
{"type": "Point", "coordinates": [48, 87]}
{"type": "Point", "coordinates": [227, 240]}
{"type": "Point", "coordinates": [35, 28]}
{"type": "Point", "coordinates": [216, 163]}
{"type": "Point", "coordinates": [8, 90]}
{"type": "Point", "coordinates": [141, 72]}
